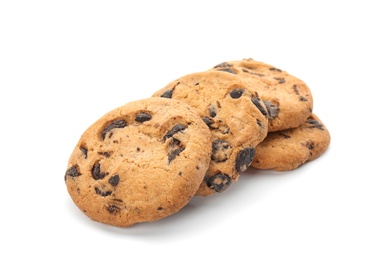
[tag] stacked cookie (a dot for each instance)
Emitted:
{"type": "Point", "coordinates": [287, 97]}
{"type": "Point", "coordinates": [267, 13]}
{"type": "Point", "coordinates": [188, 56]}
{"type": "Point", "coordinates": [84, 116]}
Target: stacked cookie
{"type": "Point", "coordinates": [146, 159]}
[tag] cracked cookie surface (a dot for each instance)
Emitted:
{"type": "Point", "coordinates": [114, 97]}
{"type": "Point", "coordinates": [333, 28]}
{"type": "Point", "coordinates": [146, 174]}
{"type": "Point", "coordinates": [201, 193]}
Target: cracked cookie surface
{"type": "Point", "coordinates": [140, 162]}
{"type": "Point", "coordinates": [288, 99]}
{"type": "Point", "coordinates": [235, 115]}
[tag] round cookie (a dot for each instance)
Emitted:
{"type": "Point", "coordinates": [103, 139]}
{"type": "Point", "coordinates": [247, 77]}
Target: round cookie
{"type": "Point", "coordinates": [140, 162]}
{"type": "Point", "coordinates": [286, 150]}
{"type": "Point", "coordinates": [287, 98]}
{"type": "Point", "coordinates": [236, 116]}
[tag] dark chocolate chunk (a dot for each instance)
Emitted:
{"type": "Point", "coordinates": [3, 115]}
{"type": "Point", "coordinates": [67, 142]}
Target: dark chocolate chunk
{"type": "Point", "coordinates": [208, 121]}
{"type": "Point", "coordinates": [280, 80]}
{"type": "Point", "coordinates": [106, 154]}
{"type": "Point", "coordinates": [73, 171]}
{"type": "Point", "coordinates": [175, 142]}
{"type": "Point", "coordinates": [236, 93]}
{"type": "Point", "coordinates": [167, 94]}
{"type": "Point", "coordinates": [275, 69]}
{"type": "Point", "coordinates": [114, 180]}
{"type": "Point", "coordinates": [113, 209]}
{"type": "Point", "coordinates": [177, 128]}
{"type": "Point", "coordinates": [102, 193]}
{"type": "Point", "coordinates": [302, 98]}
{"type": "Point", "coordinates": [227, 70]}
{"type": "Point", "coordinates": [174, 153]}
{"type": "Point", "coordinates": [218, 182]}
{"type": "Point", "coordinates": [223, 65]}
{"type": "Point", "coordinates": [96, 173]}
{"type": "Point", "coordinates": [84, 151]}
{"type": "Point", "coordinates": [314, 124]}
{"type": "Point", "coordinates": [273, 110]}
{"type": "Point", "coordinates": [120, 123]}
{"type": "Point", "coordinates": [256, 101]}
{"type": "Point", "coordinates": [295, 88]}
{"type": "Point", "coordinates": [159, 208]}
{"type": "Point", "coordinates": [245, 158]}
{"type": "Point", "coordinates": [221, 150]}
{"type": "Point", "coordinates": [212, 111]}
{"type": "Point", "coordinates": [142, 117]}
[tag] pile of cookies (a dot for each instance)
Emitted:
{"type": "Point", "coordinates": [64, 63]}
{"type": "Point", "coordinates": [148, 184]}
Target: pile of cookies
{"type": "Point", "coordinates": [145, 160]}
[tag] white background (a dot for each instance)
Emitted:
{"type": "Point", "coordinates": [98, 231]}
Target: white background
{"type": "Point", "coordinates": [63, 64]}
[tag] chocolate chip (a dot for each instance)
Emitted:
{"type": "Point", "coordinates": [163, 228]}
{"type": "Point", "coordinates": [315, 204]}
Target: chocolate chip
{"type": "Point", "coordinates": [221, 150]}
{"type": "Point", "coordinates": [96, 173]}
{"type": "Point", "coordinates": [273, 110]}
{"type": "Point", "coordinates": [174, 153]}
{"type": "Point", "coordinates": [302, 98]}
{"type": "Point", "coordinates": [142, 117]}
{"type": "Point", "coordinates": [280, 80]}
{"type": "Point", "coordinates": [84, 151]}
{"type": "Point", "coordinates": [208, 121]}
{"type": "Point", "coordinates": [167, 94]}
{"type": "Point", "coordinates": [120, 123]}
{"type": "Point", "coordinates": [73, 171]}
{"type": "Point", "coordinates": [114, 180]}
{"type": "Point", "coordinates": [218, 182]}
{"type": "Point", "coordinates": [102, 193]}
{"type": "Point", "coordinates": [256, 101]}
{"type": "Point", "coordinates": [159, 208]}
{"type": "Point", "coordinates": [113, 209]}
{"type": "Point", "coordinates": [227, 70]}
{"type": "Point", "coordinates": [106, 154]}
{"type": "Point", "coordinates": [212, 111]}
{"type": "Point", "coordinates": [177, 128]}
{"type": "Point", "coordinates": [236, 93]}
{"type": "Point", "coordinates": [222, 65]}
{"type": "Point", "coordinates": [245, 158]}
{"type": "Point", "coordinates": [295, 88]}
{"type": "Point", "coordinates": [275, 69]}
{"type": "Point", "coordinates": [175, 142]}
{"type": "Point", "coordinates": [315, 124]}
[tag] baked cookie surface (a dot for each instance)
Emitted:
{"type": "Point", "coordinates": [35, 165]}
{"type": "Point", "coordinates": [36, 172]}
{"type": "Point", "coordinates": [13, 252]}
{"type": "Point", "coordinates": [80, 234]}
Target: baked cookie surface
{"type": "Point", "coordinates": [288, 149]}
{"type": "Point", "coordinates": [236, 116]}
{"type": "Point", "coordinates": [288, 99]}
{"type": "Point", "coordinates": [140, 162]}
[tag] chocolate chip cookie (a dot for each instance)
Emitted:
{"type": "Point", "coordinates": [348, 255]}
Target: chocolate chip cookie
{"type": "Point", "coordinates": [288, 99]}
{"type": "Point", "coordinates": [140, 162]}
{"type": "Point", "coordinates": [235, 115]}
{"type": "Point", "coordinates": [287, 149]}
